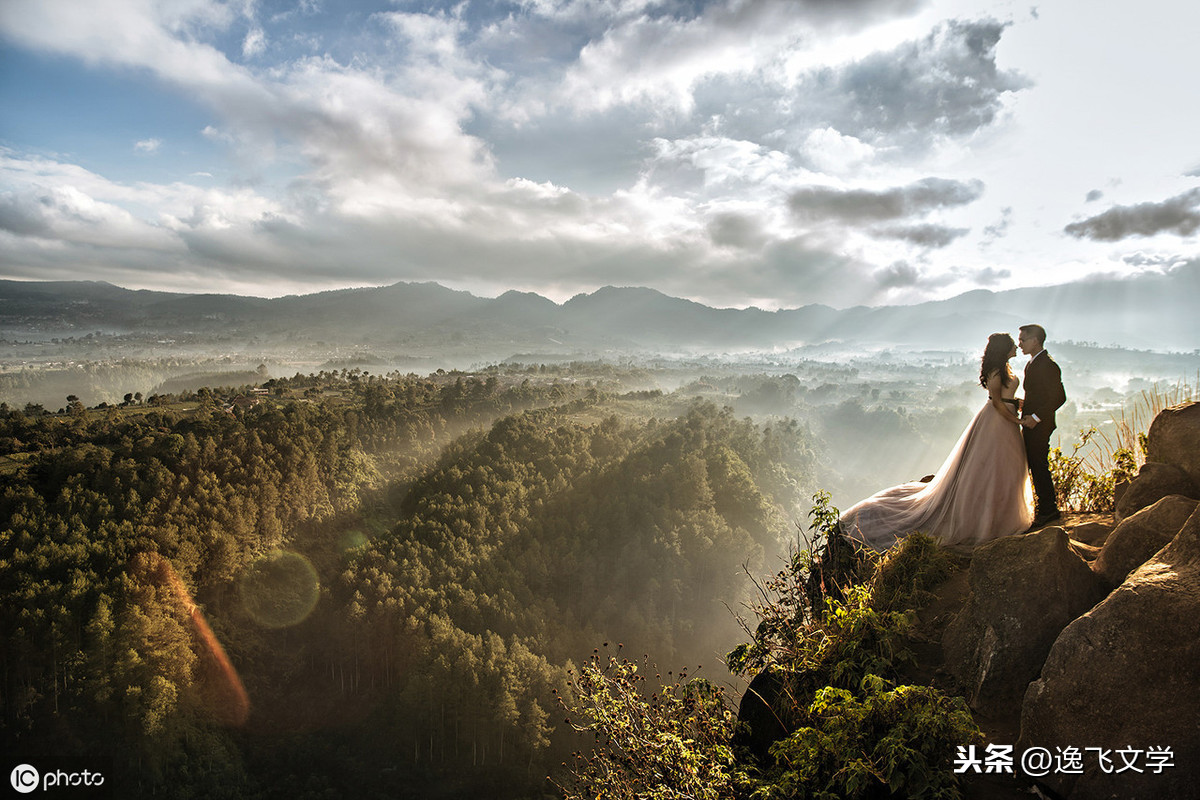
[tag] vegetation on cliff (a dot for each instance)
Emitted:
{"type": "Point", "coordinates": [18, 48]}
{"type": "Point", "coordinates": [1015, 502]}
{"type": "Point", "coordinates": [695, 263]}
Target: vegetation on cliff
{"type": "Point", "coordinates": [826, 654]}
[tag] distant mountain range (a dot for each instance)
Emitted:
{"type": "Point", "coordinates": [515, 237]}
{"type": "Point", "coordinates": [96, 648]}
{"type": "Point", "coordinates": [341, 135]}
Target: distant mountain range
{"type": "Point", "coordinates": [1150, 312]}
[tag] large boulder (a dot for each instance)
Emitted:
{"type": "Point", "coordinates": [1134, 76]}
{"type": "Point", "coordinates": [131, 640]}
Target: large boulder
{"type": "Point", "coordinates": [766, 711]}
{"type": "Point", "coordinates": [1154, 481]}
{"type": "Point", "coordinates": [1139, 537]}
{"type": "Point", "coordinates": [1174, 438]}
{"type": "Point", "coordinates": [1024, 591]}
{"type": "Point", "coordinates": [1091, 533]}
{"type": "Point", "coordinates": [1124, 676]}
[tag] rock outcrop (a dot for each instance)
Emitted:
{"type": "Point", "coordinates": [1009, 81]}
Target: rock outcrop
{"type": "Point", "coordinates": [1174, 438]}
{"type": "Point", "coordinates": [1094, 534]}
{"type": "Point", "coordinates": [766, 713]}
{"type": "Point", "coordinates": [1125, 676]}
{"type": "Point", "coordinates": [1154, 481]}
{"type": "Point", "coordinates": [1139, 537]}
{"type": "Point", "coordinates": [1088, 655]}
{"type": "Point", "coordinates": [1024, 591]}
{"type": "Point", "coordinates": [1172, 460]}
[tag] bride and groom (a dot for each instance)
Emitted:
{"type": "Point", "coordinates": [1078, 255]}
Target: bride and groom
{"type": "Point", "coordinates": [985, 489]}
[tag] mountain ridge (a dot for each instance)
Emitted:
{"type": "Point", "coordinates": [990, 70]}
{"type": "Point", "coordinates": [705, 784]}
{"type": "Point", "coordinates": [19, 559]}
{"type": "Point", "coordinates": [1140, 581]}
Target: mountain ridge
{"type": "Point", "coordinates": [1148, 312]}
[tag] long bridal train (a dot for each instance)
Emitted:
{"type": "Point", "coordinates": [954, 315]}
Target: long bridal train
{"type": "Point", "coordinates": [981, 492]}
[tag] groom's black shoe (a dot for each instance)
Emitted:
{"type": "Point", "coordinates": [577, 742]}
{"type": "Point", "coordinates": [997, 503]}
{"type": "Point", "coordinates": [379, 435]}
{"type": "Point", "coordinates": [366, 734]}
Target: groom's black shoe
{"type": "Point", "coordinates": [1042, 520]}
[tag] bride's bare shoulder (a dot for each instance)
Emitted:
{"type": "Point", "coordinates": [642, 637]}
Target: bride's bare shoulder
{"type": "Point", "coordinates": [1003, 380]}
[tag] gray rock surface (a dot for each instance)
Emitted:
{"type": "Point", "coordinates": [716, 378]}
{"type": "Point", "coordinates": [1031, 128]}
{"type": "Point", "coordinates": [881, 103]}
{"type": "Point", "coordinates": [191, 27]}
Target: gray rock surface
{"type": "Point", "coordinates": [1139, 537]}
{"type": "Point", "coordinates": [1092, 533]}
{"type": "Point", "coordinates": [1024, 591]}
{"type": "Point", "coordinates": [1154, 481]}
{"type": "Point", "coordinates": [1174, 438]}
{"type": "Point", "coordinates": [1127, 675]}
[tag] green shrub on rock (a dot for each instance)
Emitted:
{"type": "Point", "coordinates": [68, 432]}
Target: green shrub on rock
{"type": "Point", "coordinates": [851, 731]}
{"type": "Point", "coordinates": [881, 740]}
{"type": "Point", "coordinates": [654, 741]}
{"type": "Point", "coordinates": [825, 659]}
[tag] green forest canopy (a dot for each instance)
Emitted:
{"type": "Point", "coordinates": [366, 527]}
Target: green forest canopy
{"type": "Point", "coordinates": [401, 570]}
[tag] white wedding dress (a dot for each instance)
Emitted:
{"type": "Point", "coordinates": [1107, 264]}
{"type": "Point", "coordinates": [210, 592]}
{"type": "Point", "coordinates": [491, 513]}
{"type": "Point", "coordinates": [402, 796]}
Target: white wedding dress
{"type": "Point", "coordinates": [981, 492]}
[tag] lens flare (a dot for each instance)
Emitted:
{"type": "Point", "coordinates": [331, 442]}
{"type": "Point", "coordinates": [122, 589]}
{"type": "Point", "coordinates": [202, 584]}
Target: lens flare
{"type": "Point", "coordinates": [219, 681]}
{"type": "Point", "coordinates": [353, 540]}
{"type": "Point", "coordinates": [280, 589]}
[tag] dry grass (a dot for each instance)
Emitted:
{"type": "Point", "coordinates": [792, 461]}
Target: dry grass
{"type": "Point", "coordinates": [1087, 476]}
{"type": "Point", "coordinates": [1132, 423]}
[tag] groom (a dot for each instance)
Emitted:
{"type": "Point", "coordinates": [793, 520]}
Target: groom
{"type": "Point", "coordinates": [1044, 395]}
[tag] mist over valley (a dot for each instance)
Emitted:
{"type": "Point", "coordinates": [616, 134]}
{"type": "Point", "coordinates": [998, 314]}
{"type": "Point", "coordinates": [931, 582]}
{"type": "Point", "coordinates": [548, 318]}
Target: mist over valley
{"type": "Point", "coordinates": [377, 530]}
{"type": "Point", "coordinates": [886, 389]}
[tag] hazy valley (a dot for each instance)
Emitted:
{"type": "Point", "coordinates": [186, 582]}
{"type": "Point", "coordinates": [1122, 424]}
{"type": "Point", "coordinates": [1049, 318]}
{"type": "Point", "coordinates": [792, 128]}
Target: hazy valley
{"type": "Point", "coordinates": [372, 532]}
{"type": "Point", "coordinates": [899, 378]}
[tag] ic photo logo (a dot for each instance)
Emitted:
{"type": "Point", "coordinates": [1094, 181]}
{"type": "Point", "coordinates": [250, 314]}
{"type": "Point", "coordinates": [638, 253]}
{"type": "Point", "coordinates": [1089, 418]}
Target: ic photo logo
{"type": "Point", "coordinates": [25, 778]}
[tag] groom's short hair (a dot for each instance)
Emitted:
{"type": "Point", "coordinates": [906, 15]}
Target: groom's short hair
{"type": "Point", "coordinates": [1036, 331]}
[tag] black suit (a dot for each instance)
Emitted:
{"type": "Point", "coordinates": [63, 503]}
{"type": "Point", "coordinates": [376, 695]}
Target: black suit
{"type": "Point", "coordinates": [1044, 395]}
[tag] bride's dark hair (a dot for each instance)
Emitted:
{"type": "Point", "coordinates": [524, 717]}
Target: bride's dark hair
{"type": "Point", "coordinates": [995, 357]}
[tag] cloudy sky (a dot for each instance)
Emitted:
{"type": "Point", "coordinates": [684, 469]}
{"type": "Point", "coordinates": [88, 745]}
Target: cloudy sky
{"type": "Point", "coordinates": [743, 152]}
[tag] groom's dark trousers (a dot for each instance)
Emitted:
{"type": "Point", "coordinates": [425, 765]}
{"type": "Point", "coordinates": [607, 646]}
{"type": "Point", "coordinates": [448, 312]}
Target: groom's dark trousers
{"type": "Point", "coordinates": [1043, 396]}
{"type": "Point", "coordinates": [1037, 453]}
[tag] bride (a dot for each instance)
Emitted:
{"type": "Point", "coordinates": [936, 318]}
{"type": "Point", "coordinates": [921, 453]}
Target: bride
{"type": "Point", "coordinates": [980, 493]}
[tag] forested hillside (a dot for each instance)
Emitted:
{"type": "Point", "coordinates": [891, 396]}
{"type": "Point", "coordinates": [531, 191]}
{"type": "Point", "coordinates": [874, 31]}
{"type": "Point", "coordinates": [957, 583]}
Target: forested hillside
{"type": "Point", "coordinates": [350, 584]}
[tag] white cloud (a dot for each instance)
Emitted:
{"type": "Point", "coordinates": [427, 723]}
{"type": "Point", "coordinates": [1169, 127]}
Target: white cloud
{"type": "Point", "coordinates": [798, 150]}
{"type": "Point", "coordinates": [657, 53]}
{"type": "Point", "coordinates": [345, 120]}
{"type": "Point", "coordinates": [255, 43]}
{"type": "Point", "coordinates": [834, 152]}
{"type": "Point", "coordinates": [67, 216]}
{"type": "Point", "coordinates": [721, 165]}
{"type": "Point", "coordinates": [50, 201]}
